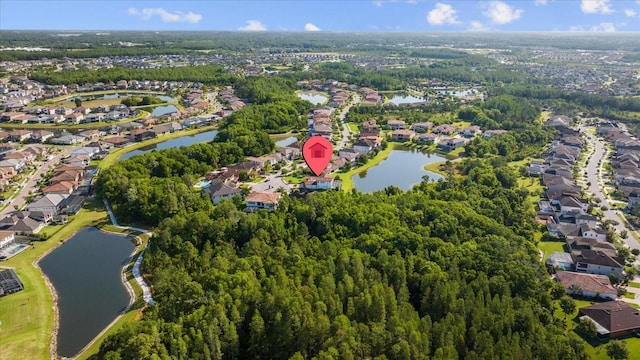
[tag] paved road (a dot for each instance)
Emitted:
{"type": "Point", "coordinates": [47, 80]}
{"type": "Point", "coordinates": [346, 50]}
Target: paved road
{"type": "Point", "coordinates": [31, 183]}
{"type": "Point", "coordinates": [594, 176]}
{"type": "Point", "coordinates": [346, 131]}
{"type": "Point", "coordinates": [271, 184]}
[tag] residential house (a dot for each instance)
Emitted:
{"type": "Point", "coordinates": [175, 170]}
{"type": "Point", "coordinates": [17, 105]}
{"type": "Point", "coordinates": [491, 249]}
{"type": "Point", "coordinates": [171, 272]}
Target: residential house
{"type": "Point", "coordinates": [349, 155]}
{"type": "Point", "coordinates": [15, 164]}
{"type": "Point", "coordinates": [471, 131]}
{"type": "Point", "coordinates": [364, 146]}
{"type": "Point", "coordinates": [421, 127]}
{"type": "Point", "coordinates": [613, 319]}
{"type": "Point", "coordinates": [402, 135]}
{"type": "Point", "coordinates": [219, 191]}
{"type": "Point", "coordinates": [74, 118]}
{"type": "Point", "coordinates": [396, 124]}
{"type": "Point", "coordinates": [289, 153]}
{"type": "Point", "coordinates": [117, 141]}
{"type": "Point", "coordinates": [6, 238]}
{"type": "Point", "coordinates": [97, 117]}
{"type": "Point", "coordinates": [47, 203]}
{"type": "Point", "coordinates": [577, 244]}
{"type": "Point", "coordinates": [598, 262]}
{"type": "Point", "coordinates": [41, 136]}
{"type": "Point", "coordinates": [62, 188]}
{"type": "Point", "coordinates": [319, 183]}
{"type": "Point", "coordinates": [587, 285]}
{"type": "Point", "coordinates": [492, 133]}
{"type": "Point", "coordinates": [445, 129]}
{"type": "Point", "coordinates": [428, 138]}
{"type": "Point", "coordinates": [67, 140]}
{"type": "Point", "coordinates": [259, 200]}
{"type": "Point", "coordinates": [19, 135]}
{"type": "Point", "coordinates": [451, 144]}
{"type": "Point", "coordinates": [26, 226]}
{"type": "Point", "coordinates": [141, 134]}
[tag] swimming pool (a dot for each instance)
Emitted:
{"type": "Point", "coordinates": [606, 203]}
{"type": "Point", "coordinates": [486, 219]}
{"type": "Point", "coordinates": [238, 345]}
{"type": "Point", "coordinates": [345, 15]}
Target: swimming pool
{"type": "Point", "coordinates": [17, 249]}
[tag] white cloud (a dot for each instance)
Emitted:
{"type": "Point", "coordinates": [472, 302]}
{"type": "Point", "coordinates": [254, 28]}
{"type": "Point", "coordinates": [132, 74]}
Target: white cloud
{"type": "Point", "coordinates": [253, 25]}
{"type": "Point", "coordinates": [630, 12]}
{"type": "Point", "coordinates": [379, 3]}
{"type": "Point", "coordinates": [576, 28]}
{"type": "Point", "coordinates": [596, 7]}
{"type": "Point", "coordinates": [442, 14]}
{"type": "Point", "coordinates": [477, 26]}
{"type": "Point", "coordinates": [604, 27]}
{"type": "Point", "coordinates": [164, 15]}
{"type": "Point", "coordinates": [311, 27]}
{"type": "Point", "coordinates": [502, 13]}
{"type": "Point", "coordinates": [541, 2]}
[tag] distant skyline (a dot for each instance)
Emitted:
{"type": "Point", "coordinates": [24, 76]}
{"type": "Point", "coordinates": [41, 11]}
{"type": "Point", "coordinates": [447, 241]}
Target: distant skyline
{"type": "Point", "coordinates": [328, 15]}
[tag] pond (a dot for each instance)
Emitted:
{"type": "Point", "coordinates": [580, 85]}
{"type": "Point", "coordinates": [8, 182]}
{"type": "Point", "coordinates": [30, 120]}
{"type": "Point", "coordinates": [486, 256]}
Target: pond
{"type": "Point", "coordinates": [404, 98]}
{"type": "Point", "coordinates": [177, 142]}
{"type": "Point", "coordinates": [286, 141]}
{"type": "Point", "coordinates": [402, 168]}
{"type": "Point", "coordinates": [86, 273]}
{"type": "Point", "coordinates": [161, 110]}
{"type": "Point", "coordinates": [314, 98]}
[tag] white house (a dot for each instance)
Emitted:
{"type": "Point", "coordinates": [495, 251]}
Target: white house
{"type": "Point", "coordinates": [318, 183]}
{"type": "Point", "coordinates": [598, 262]}
{"type": "Point", "coordinates": [47, 203]}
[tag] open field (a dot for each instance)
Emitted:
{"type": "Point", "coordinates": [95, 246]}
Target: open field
{"type": "Point", "coordinates": [27, 316]}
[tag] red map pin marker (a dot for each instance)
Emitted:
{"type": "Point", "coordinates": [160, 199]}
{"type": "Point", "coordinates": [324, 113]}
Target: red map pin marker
{"type": "Point", "coordinates": [317, 152]}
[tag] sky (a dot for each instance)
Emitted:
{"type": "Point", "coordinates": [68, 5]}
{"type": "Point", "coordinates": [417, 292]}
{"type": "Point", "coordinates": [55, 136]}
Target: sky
{"type": "Point", "coordinates": [327, 15]}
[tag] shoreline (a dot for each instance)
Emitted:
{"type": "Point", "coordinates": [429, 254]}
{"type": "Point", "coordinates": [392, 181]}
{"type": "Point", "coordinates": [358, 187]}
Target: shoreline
{"type": "Point", "coordinates": [132, 294]}
{"type": "Point", "coordinates": [53, 341]}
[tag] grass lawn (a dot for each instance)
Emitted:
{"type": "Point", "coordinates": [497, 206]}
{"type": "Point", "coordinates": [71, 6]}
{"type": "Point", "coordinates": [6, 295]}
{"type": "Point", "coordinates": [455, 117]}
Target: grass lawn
{"type": "Point", "coordinates": [435, 167]}
{"type": "Point", "coordinates": [353, 127]}
{"type": "Point", "coordinates": [634, 284]}
{"type": "Point", "coordinates": [27, 316]}
{"type": "Point", "coordinates": [630, 295]}
{"type": "Point", "coordinates": [599, 352]}
{"type": "Point", "coordinates": [549, 247]}
{"type": "Point", "coordinates": [293, 179]}
{"type": "Point", "coordinates": [114, 154]}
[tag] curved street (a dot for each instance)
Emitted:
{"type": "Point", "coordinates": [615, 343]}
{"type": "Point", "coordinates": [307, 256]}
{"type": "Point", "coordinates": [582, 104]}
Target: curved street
{"type": "Point", "coordinates": [594, 176]}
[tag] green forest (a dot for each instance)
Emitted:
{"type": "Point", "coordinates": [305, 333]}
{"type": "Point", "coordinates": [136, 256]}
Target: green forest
{"type": "Point", "coordinates": [448, 270]}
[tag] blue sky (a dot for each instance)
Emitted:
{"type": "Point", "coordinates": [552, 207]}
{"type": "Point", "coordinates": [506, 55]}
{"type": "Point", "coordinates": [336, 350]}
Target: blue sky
{"type": "Point", "coordinates": [328, 15]}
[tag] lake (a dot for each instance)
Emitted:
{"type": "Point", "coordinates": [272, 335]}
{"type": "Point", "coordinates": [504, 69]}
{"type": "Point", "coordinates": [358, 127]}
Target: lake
{"type": "Point", "coordinates": [402, 168]}
{"type": "Point", "coordinates": [177, 142]}
{"type": "Point", "coordinates": [287, 141]}
{"type": "Point", "coordinates": [314, 98]}
{"type": "Point", "coordinates": [163, 109]}
{"type": "Point", "coordinates": [404, 98]}
{"type": "Point", "coordinates": [86, 273]}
